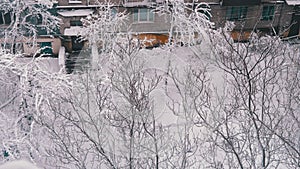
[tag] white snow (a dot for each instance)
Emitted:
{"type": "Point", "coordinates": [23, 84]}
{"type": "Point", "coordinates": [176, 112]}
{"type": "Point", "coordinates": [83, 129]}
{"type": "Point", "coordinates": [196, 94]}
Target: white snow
{"type": "Point", "coordinates": [62, 56]}
{"type": "Point", "coordinates": [139, 3]}
{"type": "Point", "coordinates": [73, 31]}
{"type": "Point", "coordinates": [77, 6]}
{"type": "Point", "coordinates": [44, 63]}
{"type": "Point", "coordinates": [293, 2]}
{"type": "Point", "coordinates": [75, 2]}
{"type": "Point", "coordinates": [78, 12]}
{"type": "Point", "coordinates": [20, 164]}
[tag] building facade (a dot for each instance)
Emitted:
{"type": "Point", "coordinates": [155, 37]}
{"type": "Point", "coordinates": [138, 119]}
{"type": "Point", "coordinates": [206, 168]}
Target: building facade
{"type": "Point", "coordinates": [294, 31]}
{"type": "Point", "coordinates": [261, 16]}
{"type": "Point", "coordinates": [274, 17]}
{"type": "Point", "coordinates": [25, 28]}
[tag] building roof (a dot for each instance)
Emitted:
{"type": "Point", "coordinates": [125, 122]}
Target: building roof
{"type": "Point", "coordinates": [44, 2]}
{"type": "Point", "coordinates": [77, 12]}
{"type": "Point", "coordinates": [293, 2]}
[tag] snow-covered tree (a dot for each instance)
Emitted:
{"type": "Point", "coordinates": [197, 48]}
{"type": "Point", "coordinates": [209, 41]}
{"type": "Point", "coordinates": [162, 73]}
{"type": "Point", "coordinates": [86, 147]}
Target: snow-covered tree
{"type": "Point", "coordinates": [23, 19]}
{"type": "Point", "coordinates": [110, 116]}
{"type": "Point", "coordinates": [253, 123]}
{"type": "Point", "coordinates": [102, 30]}
{"type": "Point", "coordinates": [188, 21]}
{"type": "Point", "coordinates": [25, 78]}
{"type": "Point", "coordinates": [96, 122]}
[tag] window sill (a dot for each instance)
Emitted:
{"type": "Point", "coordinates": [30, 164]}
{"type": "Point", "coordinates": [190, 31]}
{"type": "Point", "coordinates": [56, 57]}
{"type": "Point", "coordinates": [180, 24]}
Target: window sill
{"type": "Point", "coordinates": [75, 2]}
{"type": "Point", "coordinates": [266, 20]}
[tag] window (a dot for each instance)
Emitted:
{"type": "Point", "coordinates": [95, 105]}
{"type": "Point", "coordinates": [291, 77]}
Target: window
{"type": "Point", "coordinates": [236, 13]}
{"type": "Point", "coordinates": [75, 23]}
{"type": "Point", "coordinates": [114, 12]}
{"type": "Point", "coordinates": [12, 47]}
{"type": "Point", "coordinates": [5, 18]}
{"type": "Point", "coordinates": [267, 13]}
{"type": "Point", "coordinates": [35, 19]}
{"type": "Point", "coordinates": [204, 9]}
{"type": "Point", "coordinates": [46, 47]}
{"type": "Point", "coordinates": [143, 15]}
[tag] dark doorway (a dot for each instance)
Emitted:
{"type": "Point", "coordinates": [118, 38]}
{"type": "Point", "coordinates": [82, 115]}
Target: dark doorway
{"type": "Point", "coordinates": [294, 30]}
{"type": "Point", "coordinates": [77, 44]}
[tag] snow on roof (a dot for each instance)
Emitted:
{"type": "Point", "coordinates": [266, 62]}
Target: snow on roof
{"type": "Point", "coordinates": [78, 6]}
{"type": "Point", "coordinates": [49, 3]}
{"type": "Point", "coordinates": [293, 2]}
{"type": "Point", "coordinates": [75, 2]}
{"type": "Point", "coordinates": [78, 12]}
{"type": "Point", "coordinates": [73, 31]}
{"type": "Point", "coordinates": [138, 3]}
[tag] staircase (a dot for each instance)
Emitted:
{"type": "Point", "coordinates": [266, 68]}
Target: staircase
{"type": "Point", "coordinates": [77, 61]}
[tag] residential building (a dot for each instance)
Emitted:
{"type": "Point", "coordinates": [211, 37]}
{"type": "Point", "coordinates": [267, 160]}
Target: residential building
{"type": "Point", "coordinates": [71, 12]}
{"type": "Point", "coordinates": [143, 23]}
{"type": "Point", "coordinates": [33, 36]}
{"type": "Point", "coordinates": [275, 17]}
{"type": "Point", "coordinates": [262, 16]}
{"type": "Point", "coordinates": [295, 23]}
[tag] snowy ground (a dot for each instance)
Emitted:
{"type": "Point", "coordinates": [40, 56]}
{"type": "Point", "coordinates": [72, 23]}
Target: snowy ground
{"type": "Point", "coordinates": [158, 60]}
{"type": "Point", "coordinates": [180, 57]}
{"type": "Point", "coordinates": [46, 63]}
{"type": "Point", "coordinates": [20, 164]}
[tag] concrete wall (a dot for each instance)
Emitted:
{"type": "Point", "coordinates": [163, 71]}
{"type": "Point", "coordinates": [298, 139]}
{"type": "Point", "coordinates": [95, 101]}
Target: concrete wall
{"type": "Point", "coordinates": [30, 50]}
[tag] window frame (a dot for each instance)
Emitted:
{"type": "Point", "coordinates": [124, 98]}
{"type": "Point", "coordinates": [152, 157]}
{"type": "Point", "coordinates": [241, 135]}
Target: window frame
{"type": "Point", "coordinates": [137, 15]}
{"type": "Point", "coordinates": [46, 48]}
{"type": "Point", "coordinates": [5, 18]}
{"type": "Point", "coordinates": [268, 13]}
{"type": "Point", "coordinates": [76, 23]}
{"type": "Point", "coordinates": [236, 13]}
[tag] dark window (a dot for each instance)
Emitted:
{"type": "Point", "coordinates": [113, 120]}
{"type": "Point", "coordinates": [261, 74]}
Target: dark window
{"type": "Point", "coordinates": [205, 9]}
{"type": "Point", "coordinates": [236, 13]}
{"type": "Point", "coordinates": [12, 47]}
{"type": "Point", "coordinates": [267, 13]}
{"type": "Point", "coordinates": [76, 23]}
{"type": "Point", "coordinates": [46, 47]}
{"type": "Point", "coordinates": [136, 14]}
{"type": "Point", "coordinates": [5, 18]}
{"type": "Point", "coordinates": [114, 11]}
{"type": "Point", "coordinates": [143, 15]}
{"type": "Point", "coordinates": [5, 153]}
{"type": "Point", "coordinates": [35, 19]}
